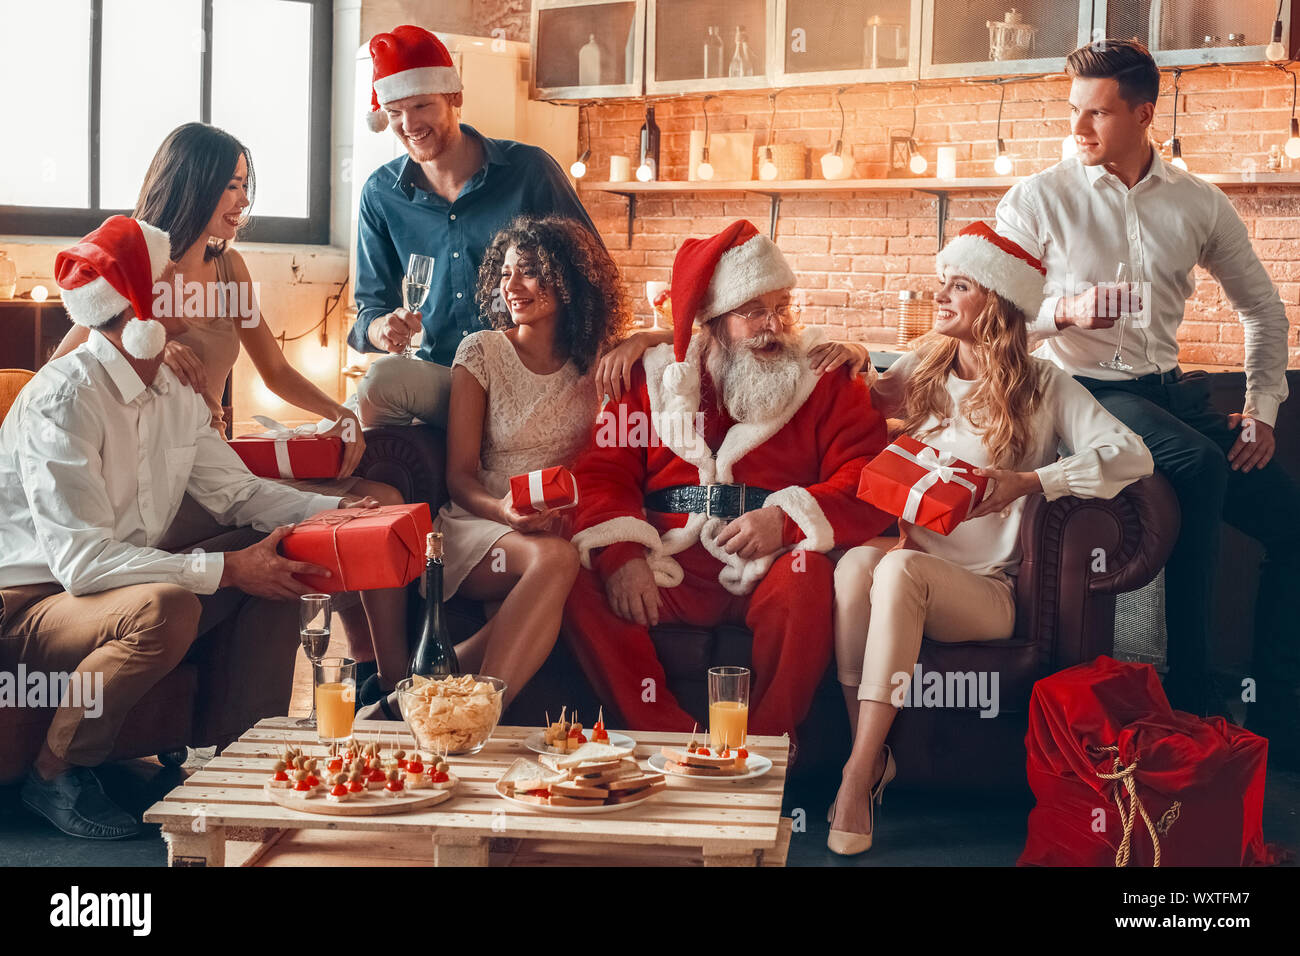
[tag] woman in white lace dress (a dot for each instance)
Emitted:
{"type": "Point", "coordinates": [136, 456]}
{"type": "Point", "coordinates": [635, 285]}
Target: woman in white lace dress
{"type": "Point", "coordinates": [524, 397]}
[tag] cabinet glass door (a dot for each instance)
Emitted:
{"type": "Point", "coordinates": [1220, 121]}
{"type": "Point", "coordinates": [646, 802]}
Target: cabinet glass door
{"type": "Point", "coordinates": [1186, 32]}
{"type": "Point", "coordinates": [1001, 37]}
{"type": "Point", "coordinates": [587, 49]}
{"type": "Point", "coordinates": [701, 45]}
{"type": "Point", "coordinates": [859, 41]}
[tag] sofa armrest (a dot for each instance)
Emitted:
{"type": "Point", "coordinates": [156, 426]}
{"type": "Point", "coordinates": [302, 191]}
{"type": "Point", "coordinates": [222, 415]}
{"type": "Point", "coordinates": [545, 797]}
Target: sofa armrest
{"type": "Point", "coordinates": [1077, 555]}
{"type": "Point", "coordinates": [411, 458]}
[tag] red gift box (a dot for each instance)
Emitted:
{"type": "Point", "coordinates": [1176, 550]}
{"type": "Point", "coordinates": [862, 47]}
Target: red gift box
{"type": "Point", "coordinates": [287, 453]}
{"type": "Point", "coordinates": [553, 488]}
{"type": "Point", "coordinates": [921, 485]}
{"type": "Point", "coordinates": [362, 548]}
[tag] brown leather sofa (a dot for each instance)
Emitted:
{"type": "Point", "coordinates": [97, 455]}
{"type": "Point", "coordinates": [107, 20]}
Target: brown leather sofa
{"type": "Point", "coordinates": [1065, 615]}
{"type": "Point", "coordinates": [209, 700]}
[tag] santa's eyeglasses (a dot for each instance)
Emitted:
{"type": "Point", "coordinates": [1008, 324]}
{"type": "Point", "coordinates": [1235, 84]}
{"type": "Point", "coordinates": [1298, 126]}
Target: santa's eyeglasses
{"type": "Point", "coordinates": [786, 315]}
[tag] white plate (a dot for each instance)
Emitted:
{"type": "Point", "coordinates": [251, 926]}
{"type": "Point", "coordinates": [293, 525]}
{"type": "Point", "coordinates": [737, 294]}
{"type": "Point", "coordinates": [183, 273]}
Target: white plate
{"type": "Point", "coordinates": [536, 743]}
{"type": "Point", "coordinates": [757, 763]}
{"type": "Point", "coordinates": [603, 808]}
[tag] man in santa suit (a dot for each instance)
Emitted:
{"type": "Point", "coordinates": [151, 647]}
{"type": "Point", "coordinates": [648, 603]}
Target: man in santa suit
{"type": "Point", "coordinates": [713, 489]}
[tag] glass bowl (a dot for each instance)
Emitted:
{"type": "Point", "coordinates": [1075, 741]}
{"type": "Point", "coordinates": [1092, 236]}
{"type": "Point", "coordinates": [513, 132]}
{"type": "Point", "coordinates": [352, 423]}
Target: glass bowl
{"type": "Point", "coordinates": [453, 723]}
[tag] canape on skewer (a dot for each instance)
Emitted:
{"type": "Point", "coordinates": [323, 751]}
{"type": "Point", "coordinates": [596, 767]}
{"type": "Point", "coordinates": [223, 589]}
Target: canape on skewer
{"type": "Point", "coordinates": [338, 792]}
{"type": "Point", "coordinates": [415, 773]}
{"type": "Point", "coordinates": [355, 783]}
{"type": "Point", "coordinates": [393, 785]}
{"type": "Point", "coordinates": [279, 778]}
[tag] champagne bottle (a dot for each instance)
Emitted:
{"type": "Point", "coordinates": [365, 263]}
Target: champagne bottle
{"type": "Point", "coordinates": [737, 67]}
{"type": "Point", "coordinates": [434, 655]}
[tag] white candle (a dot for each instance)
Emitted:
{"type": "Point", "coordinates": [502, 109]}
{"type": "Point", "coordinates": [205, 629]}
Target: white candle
{"type": "Point", "coordinates": [946, 164]}
{"type": "Point", "coordinates": [620, 169]}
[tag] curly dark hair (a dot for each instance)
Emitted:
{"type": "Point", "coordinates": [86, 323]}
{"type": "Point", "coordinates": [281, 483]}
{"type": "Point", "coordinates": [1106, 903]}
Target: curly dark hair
{"type": "Point", "coordinates": [574, 264]}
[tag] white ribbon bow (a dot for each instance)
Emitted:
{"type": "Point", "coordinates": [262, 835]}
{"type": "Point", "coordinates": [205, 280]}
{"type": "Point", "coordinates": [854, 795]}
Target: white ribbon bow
{"type": "Point", "coordinates": [938, 467]}
{"type": "Point", "coordinates": [281, 434]}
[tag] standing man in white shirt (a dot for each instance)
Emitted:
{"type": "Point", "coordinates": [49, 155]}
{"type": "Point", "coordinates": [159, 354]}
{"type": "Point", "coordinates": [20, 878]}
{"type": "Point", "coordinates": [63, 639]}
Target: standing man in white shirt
{"type": "Point", "coordinates": [1117, 201]}
{"type": "Point", "coordinates": [95, 456]}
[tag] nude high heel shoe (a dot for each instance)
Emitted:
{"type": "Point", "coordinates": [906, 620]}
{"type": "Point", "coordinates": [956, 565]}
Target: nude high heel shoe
{"type": "Point", "coordinates": [847, 843]}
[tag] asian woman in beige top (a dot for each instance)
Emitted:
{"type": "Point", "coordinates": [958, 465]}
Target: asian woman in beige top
{"type": "Point", "coordinates": [199, 188]}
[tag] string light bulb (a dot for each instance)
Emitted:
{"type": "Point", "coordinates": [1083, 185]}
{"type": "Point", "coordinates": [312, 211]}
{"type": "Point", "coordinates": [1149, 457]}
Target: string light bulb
{"type": "Point", "coordinates": [833, 162]}
{"type": "Point", "coordinates": [915, 162]}
{"type": "Point", "coordinates": [705, 169]}
{"type": "Point", "coordinates": [645, 172]}
{"type": "Point", "coordinates": [1176, 154]}
{"type": "Point", "coordinates": [767, 168]}
{"type": "Point", "coordinates": [1002, 162]}
{"type": "Point", "coordinates": [918, 164]}
{"type": "Point", "coordinates": [1275, 51]}
{"type": "Point", "coordinates": [1175, 145]}
{"type": "Point", "coordinates": [39, 293]}
{"type": "Point", "coordinates": [1292, 146]}
{"type": "Point", "coordinates": [579, 167]}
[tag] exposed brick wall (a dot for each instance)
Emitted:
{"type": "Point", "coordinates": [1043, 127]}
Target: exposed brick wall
{"type": "Point", "coordinates": [854, 251]}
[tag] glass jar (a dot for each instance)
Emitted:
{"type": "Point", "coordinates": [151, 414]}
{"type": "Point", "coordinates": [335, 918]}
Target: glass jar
{"type": "Point", "coordinates": [915, 314]}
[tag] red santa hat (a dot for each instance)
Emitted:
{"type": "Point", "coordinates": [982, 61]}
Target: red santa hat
{"type": "Point", "coordinates": [998, 264]}
{"type": "Point", "coordinates": [112, 268]}
{"type": "Point", "coordinates": [409, 61]}
{"type": "Point", "coordinates": [710, 278]}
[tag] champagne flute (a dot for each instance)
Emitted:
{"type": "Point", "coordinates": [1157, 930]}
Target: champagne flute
{"type": "Point", "coordinates": [415, 289]}
{"type": "Point", "coordinates": [314, 633]}
{"type": "Point", "coordinates": [1124, 277]}
{"type": "Point", "coordinates": [653, 290]}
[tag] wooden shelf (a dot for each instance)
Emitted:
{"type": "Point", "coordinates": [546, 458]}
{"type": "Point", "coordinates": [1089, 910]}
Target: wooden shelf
{"type": "Point", "coordinates": [940, 188]}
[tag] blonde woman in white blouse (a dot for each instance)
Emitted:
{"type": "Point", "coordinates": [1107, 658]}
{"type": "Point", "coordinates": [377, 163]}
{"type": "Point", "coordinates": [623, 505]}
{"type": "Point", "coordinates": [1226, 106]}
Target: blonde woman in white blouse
{"type": "Point", "coordinates": [970, 388]}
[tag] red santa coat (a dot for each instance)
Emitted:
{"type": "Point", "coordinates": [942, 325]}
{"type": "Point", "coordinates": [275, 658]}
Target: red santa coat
{"type": "Point", "coordinates": [810, 456]}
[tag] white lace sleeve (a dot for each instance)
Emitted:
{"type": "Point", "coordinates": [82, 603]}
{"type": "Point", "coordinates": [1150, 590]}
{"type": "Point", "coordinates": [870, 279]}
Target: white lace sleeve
{"type": "Point", "coordinates": [473, 355]}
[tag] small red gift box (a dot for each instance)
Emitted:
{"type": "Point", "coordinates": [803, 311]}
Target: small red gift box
{"type": "Point", "coordinates": [921, 485]}
{"type": "Point", "coordinates": [362, 548]}
{"type": "Point", "coordinates": [290, 453]}
{"type": "Point", "coordinates": [553, 488]}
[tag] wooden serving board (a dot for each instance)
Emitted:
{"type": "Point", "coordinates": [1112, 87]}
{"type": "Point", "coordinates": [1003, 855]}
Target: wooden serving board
{"type": "Point", "coordinates": [369, 803]}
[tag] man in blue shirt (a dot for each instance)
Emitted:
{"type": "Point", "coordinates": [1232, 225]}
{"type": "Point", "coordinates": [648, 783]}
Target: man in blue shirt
{"type": "Point", "coordinates": [446, 198]}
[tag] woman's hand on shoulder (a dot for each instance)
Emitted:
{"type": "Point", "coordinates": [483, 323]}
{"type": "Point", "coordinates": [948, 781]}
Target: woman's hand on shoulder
{"type": "Point", "coordinates": [614, 368]}
{"type": "Point", "coordinates": [828, 356]}
{"type": "Point", "coordinates": [187, 366]}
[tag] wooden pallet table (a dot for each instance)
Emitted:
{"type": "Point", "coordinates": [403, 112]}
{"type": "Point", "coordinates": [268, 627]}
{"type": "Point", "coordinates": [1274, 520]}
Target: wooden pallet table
{"type": "Point", "coordinates": [221, 815]}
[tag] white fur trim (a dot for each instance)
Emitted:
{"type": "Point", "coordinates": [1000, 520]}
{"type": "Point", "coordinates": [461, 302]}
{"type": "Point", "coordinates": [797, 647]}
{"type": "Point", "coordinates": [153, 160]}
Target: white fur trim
{"type": "Point", "coordinates": [94, 303]}
{"type": "Point", "coordinates": [159, 245]}
{"type": "Point", "coordinates": [753, 268]}
{"type": "Point", "coordinates": [422, 79]}
{"type": "Point", "coordinates": [678, 431]}
{"type": "Point", "coordinates": [803, 509]}
{"type": "Point", "coordinates": [1010, 277]}
{"type": "Point", "coordinates": [143, 338]}
{"type": "Point", "coordinates": [376, 121]}
{"type": "Point", "coordinates": [668, 573]}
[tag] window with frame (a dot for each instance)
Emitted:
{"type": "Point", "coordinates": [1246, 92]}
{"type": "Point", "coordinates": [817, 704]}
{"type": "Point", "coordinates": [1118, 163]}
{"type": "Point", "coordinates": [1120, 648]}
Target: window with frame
{"type": "Point", "coordinates": [81, 129]}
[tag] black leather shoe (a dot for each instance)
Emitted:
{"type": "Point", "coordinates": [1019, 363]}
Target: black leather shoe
{"type": "Point", "coordinates": [75, 803]}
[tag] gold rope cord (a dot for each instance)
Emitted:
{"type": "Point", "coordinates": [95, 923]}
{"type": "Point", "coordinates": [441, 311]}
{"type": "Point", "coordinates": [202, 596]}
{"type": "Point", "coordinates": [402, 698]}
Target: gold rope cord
{"type": "Point", "coordinates": [1126, 815]}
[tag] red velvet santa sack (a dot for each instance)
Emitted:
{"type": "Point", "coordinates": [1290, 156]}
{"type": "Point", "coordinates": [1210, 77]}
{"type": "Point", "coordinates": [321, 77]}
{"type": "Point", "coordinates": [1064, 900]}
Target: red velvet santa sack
{"type": "Point", "coordinates": [1122, 779]}
{"type": "Point", "coordinates": [553, 488]}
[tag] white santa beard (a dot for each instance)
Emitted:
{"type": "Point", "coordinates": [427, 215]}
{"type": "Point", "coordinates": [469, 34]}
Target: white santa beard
{"type": "Point", "coordinates": [754, 389]}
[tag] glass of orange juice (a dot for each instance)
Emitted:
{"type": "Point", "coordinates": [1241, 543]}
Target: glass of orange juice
{"type": "Point", "coordinates": [336, 697]}
{"type": "Point", "coordinates": [728, 706]}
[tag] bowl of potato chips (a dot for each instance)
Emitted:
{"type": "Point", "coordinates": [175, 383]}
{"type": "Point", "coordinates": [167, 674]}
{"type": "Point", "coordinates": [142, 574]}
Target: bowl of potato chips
{"type": "Point", "coordinates": [451, 715]}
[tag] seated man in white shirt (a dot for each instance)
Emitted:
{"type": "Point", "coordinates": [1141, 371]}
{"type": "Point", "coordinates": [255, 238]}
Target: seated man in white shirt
{"type": "Point", "coordinates": [1118, 202]}
{"type": "Point", "coordinates": [95, 456]}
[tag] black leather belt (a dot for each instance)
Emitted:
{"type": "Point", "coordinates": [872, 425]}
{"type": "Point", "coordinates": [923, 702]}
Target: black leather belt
{"type": "Point", "coordinates": [716, 501]}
